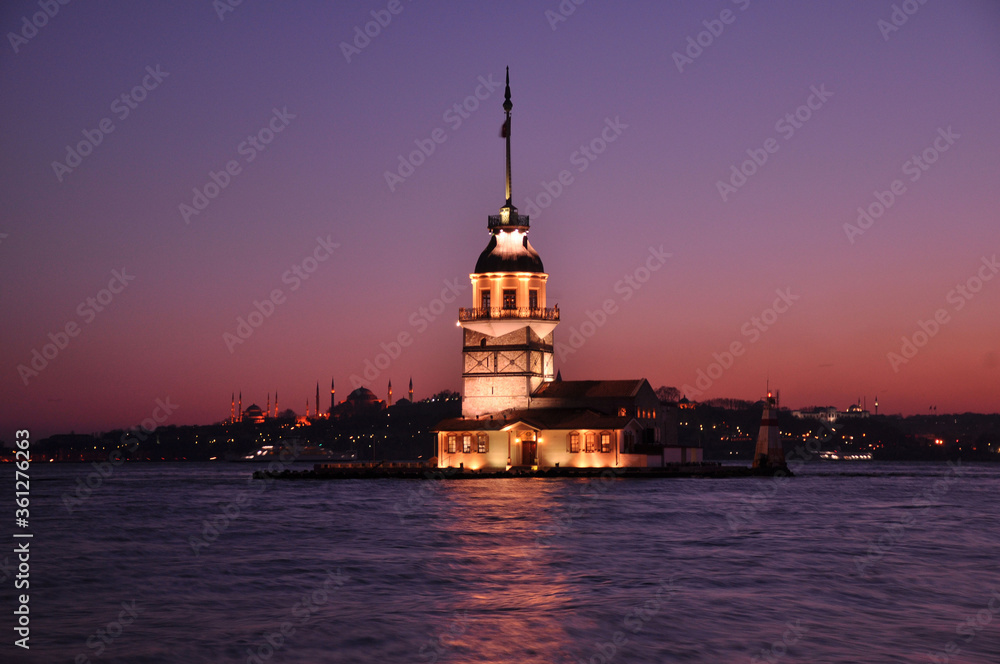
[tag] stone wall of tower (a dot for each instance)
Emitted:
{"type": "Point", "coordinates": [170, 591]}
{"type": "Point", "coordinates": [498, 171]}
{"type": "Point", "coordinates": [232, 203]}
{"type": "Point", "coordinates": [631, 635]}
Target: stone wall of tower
{"type": "Point", "coordinates": [500, 373]}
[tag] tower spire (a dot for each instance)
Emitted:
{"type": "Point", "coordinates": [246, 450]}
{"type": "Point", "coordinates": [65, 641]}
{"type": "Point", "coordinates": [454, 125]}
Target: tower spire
{"type": "Point", "coordinates": [507, 105]}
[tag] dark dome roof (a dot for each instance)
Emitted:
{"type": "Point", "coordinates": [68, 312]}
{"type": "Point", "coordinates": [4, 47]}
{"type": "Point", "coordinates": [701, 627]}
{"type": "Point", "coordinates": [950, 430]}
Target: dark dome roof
{"type": "Point", "coordinates": [509, 251]}
{"type": "Point", "coordinates": [362, 394]}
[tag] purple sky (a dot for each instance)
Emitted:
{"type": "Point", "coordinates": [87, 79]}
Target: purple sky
{"type": "Point", "coordinates": [887, 96]}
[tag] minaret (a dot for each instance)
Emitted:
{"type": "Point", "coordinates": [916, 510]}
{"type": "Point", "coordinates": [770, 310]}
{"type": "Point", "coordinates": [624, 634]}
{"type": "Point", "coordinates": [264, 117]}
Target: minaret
{"type": "Point", "coordinates": [507, 334]}
{"type": "Point", "coordinates": [307, 408]}
{"type": "Point", "coordinates": [241, 406]}
{"type": "Point", "coordinates": [276, 403]}
{"type": "Point", "coordinates": [267, 413]}
{"type": "Point", "coordinates": [232, 409]}
{"type": "Point", "coordinates": [317, 399]}
{"type": "Point", "coordinates": [769, 453]}
{"type": "Point", "coordinates": [876, 404]}
{"type": "Point", "coordinates": [390, 392]}
{"type": "Point", "coordinates": [411, 389]}
{"type": "Point", "coordinates": [333, 397]}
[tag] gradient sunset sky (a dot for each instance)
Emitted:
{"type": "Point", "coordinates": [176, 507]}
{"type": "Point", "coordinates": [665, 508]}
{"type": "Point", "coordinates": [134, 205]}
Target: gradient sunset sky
{"type": "Point", "coordinates": [885, 86]}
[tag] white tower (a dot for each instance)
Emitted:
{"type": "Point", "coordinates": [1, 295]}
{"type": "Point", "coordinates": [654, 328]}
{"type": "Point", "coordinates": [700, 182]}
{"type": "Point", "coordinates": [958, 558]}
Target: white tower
{"type": "Point", "coordinates": [507, 349]}
{"type": "Point", "coordinates": [769, 453]}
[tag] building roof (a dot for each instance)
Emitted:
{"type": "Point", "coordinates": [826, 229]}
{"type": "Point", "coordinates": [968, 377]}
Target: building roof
{"type": "Point", "coordinates": [362, 394]}
{"type": "Point", "coordinates": [509, 251]}
{"type": "Point", "coordinates": [588, 389]}
{"type": "Point", "coordinates": [537, 418]}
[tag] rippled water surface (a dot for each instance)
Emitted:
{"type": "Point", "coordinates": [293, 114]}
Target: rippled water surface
{"type": "Point", "coordinates": [527, 570]}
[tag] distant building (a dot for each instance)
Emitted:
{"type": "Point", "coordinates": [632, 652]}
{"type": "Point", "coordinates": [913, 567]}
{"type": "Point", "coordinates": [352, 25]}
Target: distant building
{"type": "Point", "coordinates": [515, 411]}
{"type": "Point", "coordinates": [253, 414]}
{"type": "Point", "coordinates": [361, 401]}
{"type": "Point", "coordinates": [831, 414]}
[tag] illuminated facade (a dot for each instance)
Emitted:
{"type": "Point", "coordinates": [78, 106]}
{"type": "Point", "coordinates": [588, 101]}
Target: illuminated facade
{"type": "Point", "coordinates": [515, 412]}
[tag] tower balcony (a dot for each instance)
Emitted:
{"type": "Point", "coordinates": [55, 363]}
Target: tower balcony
{"type": "Point", "coordinates": [497, 313]}
{"type": "Point", "coordinates": [510, 220]}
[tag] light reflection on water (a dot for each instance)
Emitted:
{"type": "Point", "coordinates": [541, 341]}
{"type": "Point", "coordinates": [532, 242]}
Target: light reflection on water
{"type": "Point", "coordinates": [515, 570]}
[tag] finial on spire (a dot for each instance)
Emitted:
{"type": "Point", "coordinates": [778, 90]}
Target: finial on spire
{"type": "Point", "coordinates": [507, 105]}
{"type": "Point", "coordinates": [506, 94]}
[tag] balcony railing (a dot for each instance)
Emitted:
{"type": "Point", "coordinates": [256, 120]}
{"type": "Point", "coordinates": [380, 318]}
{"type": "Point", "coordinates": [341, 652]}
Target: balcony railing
{"type": "Point", "coordinates": [496, 221]}
{"type": "Point", "coordinates": [497, 313]}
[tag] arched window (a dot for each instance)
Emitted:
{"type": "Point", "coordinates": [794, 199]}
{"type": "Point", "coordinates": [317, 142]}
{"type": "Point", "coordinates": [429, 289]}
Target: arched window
{"type": "Point", "coordinates": [573, 442]}
{"type": "Point", "coordinates": [466, 443]}
{"type": "Point", "coordinates": [483, 443]}
{"type": "Point", "coordinates": [452, 443]}
{"type": "Point", "coordinates": [591, 441]}
{"type": "Point", "coordinates": [605, 441]}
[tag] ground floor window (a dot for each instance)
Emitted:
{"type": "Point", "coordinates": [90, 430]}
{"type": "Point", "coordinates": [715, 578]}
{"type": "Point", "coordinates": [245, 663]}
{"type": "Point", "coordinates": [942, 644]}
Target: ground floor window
{"type": "Point", "coordinates": [574, 441]}
{"type": "Point", "coordinates": [591, 439]}
{"type": "Point", "coordinates": [629, 441]}
{"type": "Point", "coordinates": [605, 442]}
{"type": "Point", "coordinates": [452, 443]}
{"type": "Point", "coordinates": [466, 443]}
{"type": "Point", "coordinates": [483, 443]}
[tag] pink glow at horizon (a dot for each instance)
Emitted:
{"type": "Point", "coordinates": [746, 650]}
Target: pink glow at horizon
{"type": "Point", "coordinates": [929, 88]}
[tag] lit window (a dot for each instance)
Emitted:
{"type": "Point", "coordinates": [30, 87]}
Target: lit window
{"type": "Point", "coordinates": [591, 439]}
{"type": "Point", "coordinates": [605, 442]}
{"type": "Point", "coordinates": [452, 443]}
{"type": "Point", "coordinates": [509, 298]}
{"type": "Point", "coordinates": [574, 441]}
{"type": "Point", "coordinates": [484, 299]}
{"type": "Point", "coordinates": [622, 412]}
{"type": "Point", "coordinates": [533, 299]}
{"type": "Point", "coordinates": [483, 443]}
{"type": "Point", "coordinates": [466, 443]}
